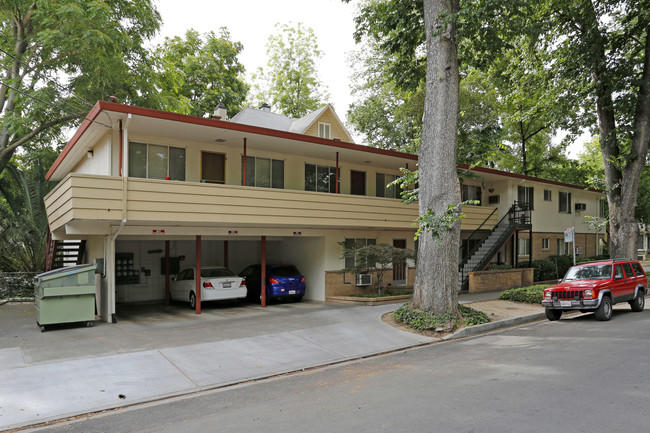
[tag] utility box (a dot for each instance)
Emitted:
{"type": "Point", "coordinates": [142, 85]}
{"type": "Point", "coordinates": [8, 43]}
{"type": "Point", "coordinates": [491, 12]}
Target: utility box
{"type": "Point", "coordinates": [65, 295]}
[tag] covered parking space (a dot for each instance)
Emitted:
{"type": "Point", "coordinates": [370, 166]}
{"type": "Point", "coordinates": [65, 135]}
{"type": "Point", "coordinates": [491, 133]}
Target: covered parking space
{"type": "Point", "coordinates": [145, 265]}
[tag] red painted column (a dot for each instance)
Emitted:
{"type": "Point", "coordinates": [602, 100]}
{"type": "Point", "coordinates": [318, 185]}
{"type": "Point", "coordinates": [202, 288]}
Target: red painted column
{"type": "Point", "coordinates": [197, 277]}
{"type": "Point", "coordinates": [263, 277]}
{"type": "Point", "coordinates": [244, 174]}
{"type": "Point", "coordinates": [167, 273]}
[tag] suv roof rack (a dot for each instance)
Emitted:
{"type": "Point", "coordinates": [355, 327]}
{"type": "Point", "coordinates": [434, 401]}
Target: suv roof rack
{"type": "Point", "coordinates": [620, 259]}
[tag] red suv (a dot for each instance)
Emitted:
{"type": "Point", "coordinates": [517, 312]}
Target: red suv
{"type": "Point", "coordinates": [596, 286]}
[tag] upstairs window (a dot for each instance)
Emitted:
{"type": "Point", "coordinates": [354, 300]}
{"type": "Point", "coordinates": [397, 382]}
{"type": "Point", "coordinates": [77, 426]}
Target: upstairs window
{"type": "Point", "coordinates": [153, 161]}
{"type": "Point", "coordinates": [321, 178]}
{"type": "Point", "coordinates": [471, 192]}
{"type": "Point", "coordinates": [382, 186]}
{"type": "Point", "coordinates": [263, 172]}
{"type": "Point", "coordinates": [547, 195]}
{"type": "Point", "coordinates": [564, 199]}
{"type": "Point", "coordinates": [603, 209]}
{"type": "Point", "coordinates": [525, 195]}
{"type": "Point", "coordinates": [324, 130]}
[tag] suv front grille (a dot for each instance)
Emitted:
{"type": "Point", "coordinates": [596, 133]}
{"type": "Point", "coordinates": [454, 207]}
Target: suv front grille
{"type": "Point", "coordinates": [569, 294]}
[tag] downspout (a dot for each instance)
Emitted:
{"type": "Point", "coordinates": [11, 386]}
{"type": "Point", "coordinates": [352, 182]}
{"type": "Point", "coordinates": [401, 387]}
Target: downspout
{"type": "Point", "coordinates": [124, 135]}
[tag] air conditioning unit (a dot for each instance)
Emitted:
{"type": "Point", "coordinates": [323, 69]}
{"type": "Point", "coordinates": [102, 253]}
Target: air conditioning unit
{"type": "Point", "coordinates": [364, 279]}
{"type": "Point", "coordinates": [580, 207]}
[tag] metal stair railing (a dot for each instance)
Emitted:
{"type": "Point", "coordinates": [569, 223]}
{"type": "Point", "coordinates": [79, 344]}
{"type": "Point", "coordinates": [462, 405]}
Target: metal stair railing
{"type": "Point", "coordinates": [518, 217]}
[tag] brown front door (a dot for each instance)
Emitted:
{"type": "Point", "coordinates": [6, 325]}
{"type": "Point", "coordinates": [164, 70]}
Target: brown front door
{"type": "Point", "coordinates": [213, 167]}
{"type": "Point", "coordinates": [357, 182]}
{"type": "Point", "coordinates": [399, 269]}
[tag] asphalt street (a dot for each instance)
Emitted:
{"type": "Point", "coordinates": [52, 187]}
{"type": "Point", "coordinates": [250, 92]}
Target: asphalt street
{"type": "Point", "coordinates": [574, 375]}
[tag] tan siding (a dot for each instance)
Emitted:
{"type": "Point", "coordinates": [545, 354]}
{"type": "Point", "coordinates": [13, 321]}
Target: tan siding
{"type": "Point", "coordinates": [336, 130]}
{"type": "Point", "coordinates": [94, 198]}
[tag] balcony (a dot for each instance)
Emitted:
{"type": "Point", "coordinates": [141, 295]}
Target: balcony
{"type": "Point", "coordinates": [82, 199]}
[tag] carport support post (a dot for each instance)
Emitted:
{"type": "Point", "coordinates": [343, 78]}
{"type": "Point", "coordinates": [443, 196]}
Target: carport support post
{"type": "Point", "coordinates": [337, 173]}
{"type": "Point", "coordinates": [197, 277]}
{"type": "Point", "coordinates": [263, 277]}
{"type": "Point", "coordinates": [225, 254]}
{"type": "Point", "coordinates": [167, 273]}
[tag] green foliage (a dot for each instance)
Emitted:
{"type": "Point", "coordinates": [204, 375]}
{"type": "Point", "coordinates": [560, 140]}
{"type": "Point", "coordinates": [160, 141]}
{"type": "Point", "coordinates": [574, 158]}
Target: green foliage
{"type": "Point", "coordinates": [498, 267]}
{"type": "Point", "coordinates": [23, 221]}
{"type": "Point", "coordinates": [197, 73]}
{"type": "Point", "coordinates": [377, 258]}
{"type": "Point", "coordinates": [438, 224]}
{"type": "Point", "coordinates": [14, 286]}
{"type": "Point", "coordinates": [95, 44]}
{"type": "Point", "coordinates": [544, 270]}
{"type": "Point", "coordinates": [530, 294]}
{"type": "Point", "coordinates": [291, 84]}
{"type": "Point", "coordinates": [426, 320]}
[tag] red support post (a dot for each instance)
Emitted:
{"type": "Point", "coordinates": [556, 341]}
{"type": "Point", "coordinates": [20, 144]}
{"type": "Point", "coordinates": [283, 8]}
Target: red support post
{"type": "Point", "coordinates": [197, 277]}
{"type": "Point", "coordinates": [263, 277]}
{"type": "Point", "coordinates": [225, 254]}
{"type": "Point", "coordinates": [167, 270]}
{"type": "Point", "coordinates": [244, 173]}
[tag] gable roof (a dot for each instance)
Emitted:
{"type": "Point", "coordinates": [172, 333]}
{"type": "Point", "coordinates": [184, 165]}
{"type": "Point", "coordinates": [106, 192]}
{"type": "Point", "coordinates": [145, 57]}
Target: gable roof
{"type": "Point", "coordinates": [280, 122]}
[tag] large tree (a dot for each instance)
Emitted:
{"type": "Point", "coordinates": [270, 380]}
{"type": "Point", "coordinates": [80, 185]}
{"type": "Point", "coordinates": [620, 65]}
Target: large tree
{"type": "Point", "coordinates": [290, 84]}
{"type": "Point", "coordinates": [57, 55]}
{"type": "Point", "coordinates": [436, 277]}
{"type": "Point", "coordinates": [197, 73]}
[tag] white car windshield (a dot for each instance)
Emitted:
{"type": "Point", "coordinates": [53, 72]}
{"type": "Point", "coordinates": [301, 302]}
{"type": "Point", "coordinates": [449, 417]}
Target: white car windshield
{"type": "Point", "coordinates": [591, 272]}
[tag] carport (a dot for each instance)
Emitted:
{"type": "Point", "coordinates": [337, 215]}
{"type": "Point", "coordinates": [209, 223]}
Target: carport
{"type": "Point", "coordinates": [156, 260]}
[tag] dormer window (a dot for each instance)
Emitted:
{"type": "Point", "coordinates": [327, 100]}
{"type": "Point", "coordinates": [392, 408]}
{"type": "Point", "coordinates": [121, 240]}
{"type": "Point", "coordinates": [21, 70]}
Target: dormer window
{"type": "Point", "coordinates": [324, 130]}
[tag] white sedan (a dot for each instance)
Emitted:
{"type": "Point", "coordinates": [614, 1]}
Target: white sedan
{"type": "Point", "coordinates": [217, 283]}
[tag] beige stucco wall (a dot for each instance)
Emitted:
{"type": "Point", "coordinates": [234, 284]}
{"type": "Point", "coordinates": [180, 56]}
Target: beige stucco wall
{"type": "Point", "coordinates": [100, 162]}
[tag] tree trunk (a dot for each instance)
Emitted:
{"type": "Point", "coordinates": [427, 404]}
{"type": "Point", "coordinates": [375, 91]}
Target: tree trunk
{"type": "Point", "coordinates": [622, 181]}
{"type": "Point", "coordinates": [436, 279]}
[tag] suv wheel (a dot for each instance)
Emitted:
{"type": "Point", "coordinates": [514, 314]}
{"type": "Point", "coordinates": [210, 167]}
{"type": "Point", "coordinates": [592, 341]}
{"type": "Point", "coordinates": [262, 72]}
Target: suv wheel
{"type": "Point", "coordinates": [638, 303]}
{"type": "Point", "coordinates": [604, 311]}
{"type": "Point", "coordinates": [553, 315]}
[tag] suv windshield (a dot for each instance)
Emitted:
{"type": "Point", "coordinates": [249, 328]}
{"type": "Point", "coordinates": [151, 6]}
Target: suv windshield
{"type": "Point", "coordinates": [591, 272]}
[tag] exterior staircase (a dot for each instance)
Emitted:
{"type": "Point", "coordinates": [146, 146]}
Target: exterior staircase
{"type": "Point", "coordinates": [63, 253]}
{"type": "Point", "coordinates": [487, 247]}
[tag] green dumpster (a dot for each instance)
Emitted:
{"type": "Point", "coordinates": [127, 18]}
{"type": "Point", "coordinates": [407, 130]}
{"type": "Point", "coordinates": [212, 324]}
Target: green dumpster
{"type": "Point", "coordinates": [65, 295]}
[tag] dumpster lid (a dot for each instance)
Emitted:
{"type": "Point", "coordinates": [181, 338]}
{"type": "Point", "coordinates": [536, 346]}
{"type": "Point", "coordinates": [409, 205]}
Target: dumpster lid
{"type": "Point", "coordinates": [68, 270]}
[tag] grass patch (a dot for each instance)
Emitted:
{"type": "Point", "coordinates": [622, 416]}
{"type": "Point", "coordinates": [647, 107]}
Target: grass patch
{"type": "Point", "coordinates": [426, 320]}
{"type": "Point", "coordinates": [530, 294]}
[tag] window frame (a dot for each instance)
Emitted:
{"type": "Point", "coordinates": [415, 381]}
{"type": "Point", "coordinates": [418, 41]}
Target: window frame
{"type": "Point", "coordinates": [331, 173]}
{"type": "Point", "coordinates": [528, 194]}
{"type": "Point", "coordinates": [546, 241]}
{"type": "Point", "coordinates": [168, 159]}
{"type": "Point", "coordinates": [325, 127]}
{"type": "Point", "coordinates": [272, 177]}
{"type": "Point", "coordinates": [548, 195]}
{"type": "Point", "coordinates": [566, 201]}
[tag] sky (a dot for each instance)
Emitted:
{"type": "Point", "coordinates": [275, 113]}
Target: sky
{"type": "Point", "coordinates": [251, 22]}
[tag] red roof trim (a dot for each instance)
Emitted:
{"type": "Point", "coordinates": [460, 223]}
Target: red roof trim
{"type": "Point", "coordinates": [525, 177]}
{"type": "Point", "coordinates": [92, 115]}
{"type": "Point", "coordinates": [148, 112]}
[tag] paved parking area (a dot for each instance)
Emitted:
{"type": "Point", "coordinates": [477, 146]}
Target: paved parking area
{"type": "Point", "coordinates": [156, 351]}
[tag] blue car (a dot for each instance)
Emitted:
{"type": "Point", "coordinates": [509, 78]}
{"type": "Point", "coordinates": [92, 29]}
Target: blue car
{"type": "Point", "coordinates": [282, 282]}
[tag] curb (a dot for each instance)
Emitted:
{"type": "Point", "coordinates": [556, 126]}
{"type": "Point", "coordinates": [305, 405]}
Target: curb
{"type": "Point", "coordinates": [492, 326]}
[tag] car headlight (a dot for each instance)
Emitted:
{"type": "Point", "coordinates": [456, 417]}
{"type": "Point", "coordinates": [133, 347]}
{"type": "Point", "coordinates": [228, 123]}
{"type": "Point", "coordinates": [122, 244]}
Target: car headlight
{"type": "Point", "coordinates": [589, 293]}
{"type": "Point", "coordinates": [547, 296]}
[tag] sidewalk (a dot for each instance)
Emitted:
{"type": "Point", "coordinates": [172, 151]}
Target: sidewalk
{"type": "Point", "coordinates": [155, 352]}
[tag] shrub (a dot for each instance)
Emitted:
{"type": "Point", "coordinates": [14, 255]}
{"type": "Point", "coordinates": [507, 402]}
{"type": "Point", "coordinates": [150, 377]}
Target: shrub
{"type": "Point", "coordinates": [425, 319]}
{"type": "Point", "coordinates": [17, 285]}
{"type": "Point", "coordinates": [498, 267]}
{"type": "Point", "coordinates": [530, 294]}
